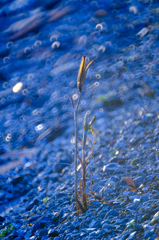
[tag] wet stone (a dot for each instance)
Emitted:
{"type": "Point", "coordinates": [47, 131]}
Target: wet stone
{"type": "Point", "coordinates": [148, 234]}
{"type": "Point", "coordinates": [112, 100]}
{"type": "Point", "coordinates": [2, 219]}
{"type": "Point", "coordinates": [112, 213]}
{"type": "Point", "coordinates": [112, 167]}
{"type": "Point", "coordinates": [138, 181]}
{"type": "Point", "coordinates": [53, 233]}
{"type": "Point", "coordinates": [32, 204]}
{"type": "Point", "coordinates": [36, 226]}
{"type": "Point", "coordinates": [100, 13]}
{"type": "Point", "coordinates": [17, 179]}
{"type": "Point", "coordinates": [44, 220]}
{"type": "Point", "coordinates": [42, 233]}
{"type": "Point", "coordinates": [2, 194]}
{"type": "Point", "coordinates": [34, 218]}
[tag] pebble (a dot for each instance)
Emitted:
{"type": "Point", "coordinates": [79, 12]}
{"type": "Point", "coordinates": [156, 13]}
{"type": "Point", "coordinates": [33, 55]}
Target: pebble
{"type": "Point", "coordinates": [111, 167]}
{"type": "Point", "coordinates": [100, 13]}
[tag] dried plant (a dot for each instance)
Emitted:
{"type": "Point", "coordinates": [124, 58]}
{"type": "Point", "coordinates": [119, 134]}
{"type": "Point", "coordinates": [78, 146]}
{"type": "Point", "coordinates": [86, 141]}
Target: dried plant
{"type": "Point", "coordinates": [82, 204]}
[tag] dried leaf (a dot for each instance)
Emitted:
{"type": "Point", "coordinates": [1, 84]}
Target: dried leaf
{"type": "Point", "coordinates": [92, 121]}
{"type": "Point", "coordinates": [130, 182]}
{"type": "Point", "coordinates": [133, 190]}
{"type": "Point", "coordinates": [89, 64]}
{"type": "Point", "coordinates": [84, 74]}
{"type": "Point", "coordinates": [81, 73]}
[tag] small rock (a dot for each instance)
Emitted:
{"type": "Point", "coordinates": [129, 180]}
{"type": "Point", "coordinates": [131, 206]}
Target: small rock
{"type": "Point", "coordinates": [138, 181]}
{"type": "Point", "coordinates": [148, 234]}
{"type": "Point", "coordinates": [53, 233]}
{"type": "Point", "coordinates": [143, 32]}
{"type": "Point", "coordinates": [36, 226]}
{"type": "Point", "coordinates": [132, 236]}
{"type": "Point", "coordinates": [155, 218]}
{"type": "Point", "coordinates": [42, 232]}
{"type": "Point", "coordinates": [111, 167]}
{"type": "Point", "coordinates": [2, 194]}
{"type": "Point", "coordinates": [100, 13]}
{"type": "Point", "coordinates": [44, 220]}
{"type": "Point", "coordinates": [9, 195]}
{"type": "Point", "coordinates": [31, 205]}
{"type": "Point", "coordinates": [117, 160]}
{"type": "Point", "coordinates": [112, 213]}
{"type": "Point", "coordinates": [2, 219]}
{"type": "Point", "coordinates": [111, 101]}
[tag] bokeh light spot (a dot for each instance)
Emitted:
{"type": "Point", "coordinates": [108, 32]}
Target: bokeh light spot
{"type": "Point", "coordinates": [83, 102]}
{"type": "Point", "coordinates": [98, 76]}
{"type": "Point", "coordinates": [30, 76]}
{"type": "Point", "coordinates": [8, 137]}
{"type": "Point", "coordinates": [102, 48]}
{"type": "Point", "coordinates": [82, 39]}
{"type": "Point", "coordinates": [99, 26]}
{"type": "Point", "coordinates": [117, 152]}
{"type": "Point", "coordinates": [25, 91]}
{"type": "Point", "coordinates": [9, 45]}
{"type": "Point", "coordinates": [5, 84]}
{"type": "Point", "coordinates": [54, 110]}
{"type": "Point", "coordinates": [54, 95]}
{"type": "Point", "coordinates": [109, 43]}
{"type": "Point", "coordinates": [2, 100]}
{"type": "Point", "coordinates": [27, 50]}
{"type": "Point", "coordinates": [53, 37]}
{"type": "Point", "coordinates": [17, 87]}
{"type": "Point", "coordinates": [133, 9]}
{"type": "Point", "coordinates": [75, 96]}
{"type": "Point", "coordinates": [96, 84]}
{"type": "Point", "coordinates": [37, 43]}
{"type": "Point", "coordinates": [39, 127]}
{"type": "Point", "coordinates": [6, 60]}
{"type": "Point", "coordinates": [55, 45]}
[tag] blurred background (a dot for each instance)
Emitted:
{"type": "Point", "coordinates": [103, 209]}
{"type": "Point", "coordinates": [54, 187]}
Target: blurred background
{"type": "Point", "coordinates": [41, 45]}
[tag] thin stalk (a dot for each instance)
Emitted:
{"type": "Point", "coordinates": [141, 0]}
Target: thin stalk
{"type": "Point", "coordinates": [85, 129]}
{"type": "Point", "coordinates": [84, 198]}
{"type": "Point", "coordinates": [75, 157]}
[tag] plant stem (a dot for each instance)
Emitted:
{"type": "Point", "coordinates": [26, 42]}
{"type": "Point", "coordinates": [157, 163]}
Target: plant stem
{"type": "Point", "coordinates": [84, 179]}
{"type": "Point", "coordinates": [75, 157]}
{"type": "Point", "coordinates": [85, 129]}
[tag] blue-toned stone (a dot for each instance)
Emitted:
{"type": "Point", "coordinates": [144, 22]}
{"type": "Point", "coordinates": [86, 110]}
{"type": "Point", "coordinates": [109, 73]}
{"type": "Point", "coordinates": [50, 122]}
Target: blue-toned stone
{"type": "Point", "coordinates": [132, 236]}
{"type": "Point", "coordinates": [2, 219]}
{"type": "Point", "coordinates": [36, 227]}
{"type": "Point", "coordinates": [138, 181]}
{"type": "Point", "coordinates": [111, 167]}
{"type": "Point", "coordinates": [31, 205]}
{"type": "Point", "coordinates": [34, 218]}
{"type": "Point", "coordinates": [53, 233]}
{"type": "Point", "coordinates": [44, 220]}
{"type": "Point", "coordinates": [148, 234]}
{"type": "Point", "coordinates": [112, 213]}
{"type": "Point", "coordinates": [42, 233]}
